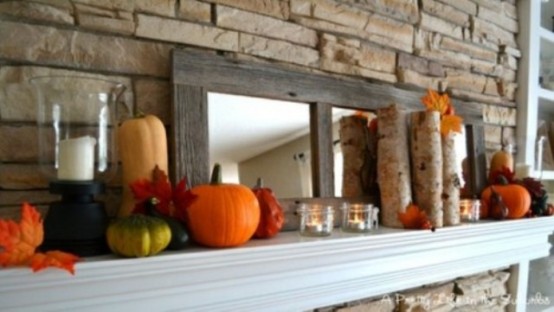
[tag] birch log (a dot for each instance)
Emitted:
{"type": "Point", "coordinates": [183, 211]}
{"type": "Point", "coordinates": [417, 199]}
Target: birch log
{"type": "Point", "coordinates": [427, 164]}
{"type": "Point", "coordinates": [359, 165]}
{"type": "Point", "coordinates": [450, 181]}
{"type": "Point", "coordinates": [393, 164]}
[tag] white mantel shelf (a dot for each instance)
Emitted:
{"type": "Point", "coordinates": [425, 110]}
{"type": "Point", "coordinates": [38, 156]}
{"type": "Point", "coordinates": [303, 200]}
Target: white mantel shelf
{"type": "Point", "coordinates": [287, 273]}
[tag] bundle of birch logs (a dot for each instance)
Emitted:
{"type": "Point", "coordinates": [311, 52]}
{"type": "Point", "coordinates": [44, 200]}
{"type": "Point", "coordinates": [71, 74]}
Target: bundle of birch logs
{"type": "Point", "coordinates": [433, 176]}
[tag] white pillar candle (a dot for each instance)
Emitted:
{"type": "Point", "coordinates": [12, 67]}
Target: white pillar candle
{"type": "Point", "coordinates": [76, 159]}
{"type": "Point", "coordinates": [523, 171]}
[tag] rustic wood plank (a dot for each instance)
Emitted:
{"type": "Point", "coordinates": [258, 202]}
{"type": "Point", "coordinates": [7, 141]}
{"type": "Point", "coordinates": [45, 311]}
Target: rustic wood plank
{"type": "Point", "coordinates": [227, 75]}
{"type": "Point", "coordinates": [321, 135]}
{"type": "Point", "coordinates": [189, 144]}
{"type": "Point", "coordinates": [477, 161]}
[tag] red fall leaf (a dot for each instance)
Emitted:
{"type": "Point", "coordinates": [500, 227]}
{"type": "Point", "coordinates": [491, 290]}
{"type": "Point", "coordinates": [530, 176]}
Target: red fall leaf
{"type": "Point", "coordinates": [171, 202]}
{"type": "Point", "coordinates": [58, 259]}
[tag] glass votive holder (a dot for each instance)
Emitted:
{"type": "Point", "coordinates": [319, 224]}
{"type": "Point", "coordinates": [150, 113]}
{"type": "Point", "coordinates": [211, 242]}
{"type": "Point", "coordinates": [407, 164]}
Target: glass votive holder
{"type": "Point", "coordinates": [470, 210]}
{"type": "Point", "coordinates": [316, 220]}
{"type": "Point", "coordinates": [358, 218]}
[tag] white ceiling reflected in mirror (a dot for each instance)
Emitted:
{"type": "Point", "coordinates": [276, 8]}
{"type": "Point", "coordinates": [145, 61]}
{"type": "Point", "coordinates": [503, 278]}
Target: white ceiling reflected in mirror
{"type": "Point", "coordinates": [261, 138]}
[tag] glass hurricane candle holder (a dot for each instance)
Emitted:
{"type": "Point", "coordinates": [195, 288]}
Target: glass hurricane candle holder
{"type": "Point", "coordinates": [76, 119]}
{"type": "Point", "coordinates": [358, 218]}
{"type": "Point", "coordinates": [316, 220]}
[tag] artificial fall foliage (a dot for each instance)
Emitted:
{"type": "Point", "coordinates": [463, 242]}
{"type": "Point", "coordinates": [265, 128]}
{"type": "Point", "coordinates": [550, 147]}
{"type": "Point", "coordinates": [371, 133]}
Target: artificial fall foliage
{"type": "Point", "coordinates": [414, 218]}
{"type": "Point", "coordinates": [171, 202]}
{"type": "Point", "coordinates": [18, 243]}
{"type": "Point", "coordinates": [505, 172]}
{"type": "Point", "coordinates": [441, 103]}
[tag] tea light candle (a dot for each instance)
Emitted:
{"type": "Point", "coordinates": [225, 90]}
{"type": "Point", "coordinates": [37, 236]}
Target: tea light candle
{"type": "Point", "coordinates": [357, 225]}
{"type": "Point", "coordinates": [76, 159]}
{"type": "Point", "coordinates": [314, 227]}
{"type": "Point", "coordinates": [357, 218]}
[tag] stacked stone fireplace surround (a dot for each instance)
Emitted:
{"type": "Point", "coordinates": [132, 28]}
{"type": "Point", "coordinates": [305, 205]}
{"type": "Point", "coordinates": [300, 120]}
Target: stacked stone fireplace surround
{"type": "Point", "coordinates": [464, 47]}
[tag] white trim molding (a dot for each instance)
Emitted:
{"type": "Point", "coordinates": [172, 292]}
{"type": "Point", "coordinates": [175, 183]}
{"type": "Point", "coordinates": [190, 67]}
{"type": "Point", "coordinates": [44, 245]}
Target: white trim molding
{"type": "Point", "coordinates": [286, 273]}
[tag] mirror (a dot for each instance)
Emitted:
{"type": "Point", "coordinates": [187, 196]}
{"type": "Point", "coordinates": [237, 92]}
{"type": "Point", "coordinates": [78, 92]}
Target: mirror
{"type": "Point", "coordinates": [196, 73]}
{"type": "Point", "coordinates": [260, 138]}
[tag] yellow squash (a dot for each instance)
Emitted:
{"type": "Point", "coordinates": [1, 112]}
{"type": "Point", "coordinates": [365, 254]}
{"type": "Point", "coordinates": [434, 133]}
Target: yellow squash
{"type": "Point", "coordinates": [138, 236]}
{"type": "Point", "coordinates": [142, 145]}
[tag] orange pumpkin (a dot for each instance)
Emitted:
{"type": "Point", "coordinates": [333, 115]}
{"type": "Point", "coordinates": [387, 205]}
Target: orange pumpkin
{"type": "Point", "coordinates": [271, 217]}
{"type": "Point", "coordinates": [516, 198]}
{"type": "Point", "coordinates": [223, 215]}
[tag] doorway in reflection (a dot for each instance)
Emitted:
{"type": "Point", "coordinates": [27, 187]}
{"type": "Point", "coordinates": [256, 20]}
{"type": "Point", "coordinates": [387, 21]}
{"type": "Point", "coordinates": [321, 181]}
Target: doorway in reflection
{"type": "Point", "coordinates": [260, 138]}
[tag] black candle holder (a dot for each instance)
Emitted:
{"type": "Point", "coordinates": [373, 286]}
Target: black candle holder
{"type": "Point", "coordinates": [76, 224]}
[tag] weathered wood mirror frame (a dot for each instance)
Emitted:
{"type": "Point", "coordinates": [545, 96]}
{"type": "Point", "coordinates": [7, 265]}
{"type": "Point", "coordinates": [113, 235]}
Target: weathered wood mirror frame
{"type": "Point", "coordinates": [195, 73]}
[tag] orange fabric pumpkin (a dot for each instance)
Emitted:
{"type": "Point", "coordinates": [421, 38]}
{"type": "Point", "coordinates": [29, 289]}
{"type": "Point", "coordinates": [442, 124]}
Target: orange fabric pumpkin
{"type": "Point", "coordinates": [223, 215]}
{"type": "Point", "coordinates": [271, 212]}
{"type": "Point", "coordinates": [516, 198]}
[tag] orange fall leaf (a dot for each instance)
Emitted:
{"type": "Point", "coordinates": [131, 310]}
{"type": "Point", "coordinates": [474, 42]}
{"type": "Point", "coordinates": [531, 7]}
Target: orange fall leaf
{"type": "Point", "coordinates": [435, 101]}
{"type": "Point", "coordinates": [414, 218]}
{"type": "Point", "coordinates": [451, 123]}
{"type": "Point", "coordinates": [18, 243]}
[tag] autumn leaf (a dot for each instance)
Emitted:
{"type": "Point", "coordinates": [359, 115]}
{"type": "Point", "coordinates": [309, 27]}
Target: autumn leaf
{"type": "Point", "coordinates": [434, 101]}
{"type": "Point", "coordinates": [414, 218]}
{"type": "Point", "coordinates": [58, 259]}
{"type": "Point", "coordinates": [171, 202]}
{"type": "Point", "coordinates": [18, 243]}
{"type": "Point", "coordinates": [451, 123]}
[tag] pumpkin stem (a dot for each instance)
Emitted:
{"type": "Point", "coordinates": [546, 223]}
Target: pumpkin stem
{"type": "Point", "coordinates": [140, 114]}
{"type": "Point", "coordinates": [259, 183]}
{"type": "Point", "coordinates": [216, 175]}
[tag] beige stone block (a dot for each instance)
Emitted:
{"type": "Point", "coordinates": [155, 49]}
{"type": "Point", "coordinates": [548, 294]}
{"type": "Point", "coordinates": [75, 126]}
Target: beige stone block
{"type": "Point", "coordinates": [464, 80]}
{"type": "Point", "coordinates": [478, 97]}
{"type": "Point", "coordinates": [125, 15]}
{"type": "Point", "coordinates": [491, 87]}
{"type": "Point", "coordinates": [447, 58]}
{"type": "Point", "coordinates": [401, 10]}
{"type": "Point", "coordinates": [426, 40]}
{"type": "Point", "coordinates": [334, 28]}
{"type": "Point", "coordinates": [51, 46]}
{"type": "Point", "coordinates": [353, 70]}
{"type": "Point", "coordinates": [510, 51]}
{"type": "Point", "coordinates": [106, 24]}
{"type": "Point", "coordinates": [34, 197]}
{"type": "Point", "coordinates": [466, 6]}
{"type": "Point", "coordinates": [467, 48]}
{"type": "Point", "coordinates": [278, 50]}
{"type": "Point", "coordinates": [64, 4]}
{"type": "Point", "coordinates": [411, 77]}
{"type": "Point", "coordinates": [21, 177]}
{"type": "Point", "coordinates": [486, 68]}
{"type": "Point", "coordinates": [445, 12]}
{"type": "Point", "coordinates": [301, 7]}
{"type": "Point", "coordinates": [153, 96]}
{"type": "Point", "coordinates": [508, 61]}
{"type": "Point", "coordinates": [495, 5]}
{"type": "Point", "coordinates": [19, 143]}
{"type": "Point", "coordinates": [160, 7]}
{"type": "Point", "coordinates": [491, 32]}
{"type": "Point", "coordinates": [432, 298]}
{"type": "Point", "coordinates": [92, 10]}
{"type": "Point", "coordinates": [195, 10]}
{"type": "Point", "coordinates": [499, 115]}
{"type": "Point", "coordinates": [276, 8]}
{"type": "Point", "coordinates": [228, 17]}
{"type": "Point", "coordinates": [509, 136]}
{"type": "Point", "coordinates": [509, 10]}
{"type": "Point", "coordinates": [507, 90]}
{"type": "Point", "coordinates": [388, 28]}
{"type": "Point", "coordinates": [37, 11]}
{"type": "Point", "coordinates": [432, 23]}
{"type": "Point", "coordinates": [17, 96]}
{"type": "Point", "coordinates": [509, 75]}
{"type": "Point", "coordinates": [375, 58]}
{"type": "Point", "coordinates": [498, 18]}
{"type": "Point", "coordinates": [340, 14]}
{"type": "Point", "coordinates": [382, 305]}
{"type": "Point", "coordinates": [420, 65]}
{"type": "Point", "coordinates": [493, 134]}
{"type": "Point", "coordinates": [157, 28]}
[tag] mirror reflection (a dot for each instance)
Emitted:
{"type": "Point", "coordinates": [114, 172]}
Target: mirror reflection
{"type": "Point", "coordinates": [254, 137]}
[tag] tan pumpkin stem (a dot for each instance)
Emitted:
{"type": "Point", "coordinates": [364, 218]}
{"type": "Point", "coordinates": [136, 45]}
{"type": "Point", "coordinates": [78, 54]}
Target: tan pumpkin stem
{"type": "Point", "coordinates": [216, 175]}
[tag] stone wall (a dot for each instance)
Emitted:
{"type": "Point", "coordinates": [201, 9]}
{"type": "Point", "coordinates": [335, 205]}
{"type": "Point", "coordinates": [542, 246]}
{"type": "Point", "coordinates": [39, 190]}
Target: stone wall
{"type": "Point", "coordinates": [482, 292]}
{"type": "Point", "coordinates": [465, 47]}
